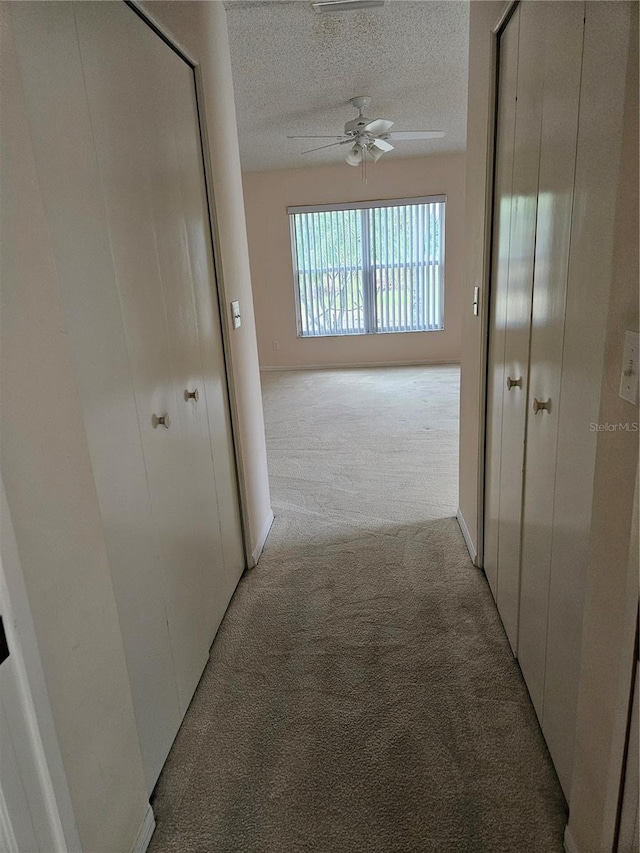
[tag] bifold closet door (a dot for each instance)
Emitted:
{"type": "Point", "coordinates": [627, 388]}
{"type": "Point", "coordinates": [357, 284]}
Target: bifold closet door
{"type": "Point", "coordinates": [141, 209]}
{"type": "Point", "coordinates": [515, 210]}
{"type": "Point", "coordinates": [586, 58]}
{"type": "Point", "coordinates": [56, 104]}
{"type": "Point", "coordinates": [113, 118]}
{"type": "Point", "coordinates": [149, 157]}
{"type": "Point", "coordinates": [561, 62]}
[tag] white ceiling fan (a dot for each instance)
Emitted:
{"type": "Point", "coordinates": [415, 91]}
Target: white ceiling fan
{"type": "Point", "coordinates": [368, 138]}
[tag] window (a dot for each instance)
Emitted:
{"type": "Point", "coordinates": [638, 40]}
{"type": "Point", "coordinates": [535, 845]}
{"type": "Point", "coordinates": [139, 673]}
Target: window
{"type": "Point", "coordinates": [369, 267]}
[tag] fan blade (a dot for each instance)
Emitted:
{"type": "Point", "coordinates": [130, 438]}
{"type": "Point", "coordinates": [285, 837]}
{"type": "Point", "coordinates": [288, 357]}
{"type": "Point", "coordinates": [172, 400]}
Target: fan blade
{"type": "Point", "coordinates": [330, 145]}
{"type": "Point", "coordinates": [377, 127]}
{"type": "Point", "coordinates": [319, 136]}
{"type": "Point", "coordinates": [416, 134]}
{"type": "Point", "coordinates": [382, 144]}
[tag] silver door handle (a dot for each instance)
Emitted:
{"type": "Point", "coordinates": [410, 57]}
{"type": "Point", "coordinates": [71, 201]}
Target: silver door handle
{"type": "Point", "coordinates": [191, 395]}
{"type": "Point", "coordinates": [514, 383]}
{"type": "Point", "coordinates": [539, 406]}
{"type": "Point", "coordinates": [163, 420]}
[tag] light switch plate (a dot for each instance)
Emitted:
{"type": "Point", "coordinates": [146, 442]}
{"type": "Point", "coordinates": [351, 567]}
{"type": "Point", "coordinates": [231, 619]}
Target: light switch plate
{"type": "Point", "coordinates": [476, 301]}
{"type": "Point", "coordinates": [235, 313]}
{"type": "Point", "coordinates": [629, 373]}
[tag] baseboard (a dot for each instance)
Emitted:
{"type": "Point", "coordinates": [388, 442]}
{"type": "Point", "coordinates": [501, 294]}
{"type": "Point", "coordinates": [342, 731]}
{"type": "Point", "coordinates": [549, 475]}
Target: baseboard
{"type": "Point", "coordinates": [262, 538]}
{"type": "Point", "coordinates": [145, 832]}
{"type": "Point", "coordinates": [570, 845]}
{"type": "Point", "coordinates": [353, 365]}
{"type": "Point", "coordinates": [468, 541]}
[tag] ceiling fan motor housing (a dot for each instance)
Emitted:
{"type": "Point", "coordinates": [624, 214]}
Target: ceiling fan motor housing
{"type": "Point", "coordinates": [354, 126]}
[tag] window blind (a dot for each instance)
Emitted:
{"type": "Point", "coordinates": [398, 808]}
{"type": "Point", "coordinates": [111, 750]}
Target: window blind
{"type": "Point", "coordinates": [369, 268]}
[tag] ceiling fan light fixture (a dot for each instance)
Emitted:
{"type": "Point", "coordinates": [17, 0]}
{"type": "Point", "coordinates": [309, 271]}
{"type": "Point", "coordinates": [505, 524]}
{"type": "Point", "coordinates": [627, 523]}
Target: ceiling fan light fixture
{"type": "Point", "coordinates": [345, 5]}
{"type": "Point", "coordinates": [375, 153]}
{"type": "Point", "coordinates": [354, 157]}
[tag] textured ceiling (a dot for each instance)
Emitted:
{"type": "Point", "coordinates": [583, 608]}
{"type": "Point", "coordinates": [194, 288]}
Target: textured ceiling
{"type": "Point", "coordinates": [294, 71]}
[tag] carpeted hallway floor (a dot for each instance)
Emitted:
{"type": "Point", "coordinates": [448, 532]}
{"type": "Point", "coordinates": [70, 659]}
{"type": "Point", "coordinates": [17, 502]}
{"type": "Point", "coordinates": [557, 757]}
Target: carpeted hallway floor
{"type": "Point", "coordinates": [361, 696]}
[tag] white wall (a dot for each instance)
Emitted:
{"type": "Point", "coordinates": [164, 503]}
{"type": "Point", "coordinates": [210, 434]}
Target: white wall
{"type": "Point", "coordinates": [267, 196]}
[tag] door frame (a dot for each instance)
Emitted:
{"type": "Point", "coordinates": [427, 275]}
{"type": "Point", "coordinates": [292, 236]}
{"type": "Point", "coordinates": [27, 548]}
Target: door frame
{"type": "Point", "coordinates": [51, 779]}
{"type": "Point", "coordinates": [225, 321]}
{"type": "Point", "coordinates": [487, 266]}
{"type": "Point", "coordinates": [626, 677]}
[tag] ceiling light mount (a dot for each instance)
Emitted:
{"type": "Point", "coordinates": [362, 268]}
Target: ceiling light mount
{"type": "Point", "coordinates": [345, 5]}
{"type": "Point", "coordinates": [361, 103]}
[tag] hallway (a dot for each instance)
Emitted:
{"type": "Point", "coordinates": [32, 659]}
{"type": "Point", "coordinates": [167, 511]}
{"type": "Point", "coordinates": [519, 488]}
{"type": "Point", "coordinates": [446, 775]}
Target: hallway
{"type": "Point", "coordinates": [361, 695]}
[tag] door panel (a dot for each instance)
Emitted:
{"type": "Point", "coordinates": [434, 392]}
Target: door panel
{"type": "Point", "coordinates": [505, 131]}
{"type": "Point", "coordinates": [604, 67]}
{"type": "Point", "coordinates": [113, 118]}
{"type": "Point", "coordinates": [53, 87]}
{"type": "Point", "coordinates": [115, 46]}
{"type": "Point", "coordinates": [562, 62]}
{"type": "Point", "coordinates": [215, 398]}
{"type": "Point", "coordinates": [529, 93]}
{"type": "Point", "coordinates": [180, 218]}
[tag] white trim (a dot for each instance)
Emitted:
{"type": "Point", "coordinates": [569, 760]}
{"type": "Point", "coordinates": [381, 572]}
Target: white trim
{"type": "Point", "coordinates": [8, 843]}
{"type": "Point", "coordinates": [262, 538]}
{"type": "Point", "coordinates": [483, 280]}
{"type": "Point", "coordinates": [468, 541]}
{"type": "Point", "coordinates": [145, 832]}
{"type": "Point", "coordinates": [506, 13]}
{"type": "Point", "coordinates": [570, 845]}
{"type": "Point", "coordinates": [626, 666]}
{"type": "Point", "coordinates": [141, 8]}
{"type": "Point", "coordinates": [357, 365]}
{"type": "Point", "coordinates": [38, 716]}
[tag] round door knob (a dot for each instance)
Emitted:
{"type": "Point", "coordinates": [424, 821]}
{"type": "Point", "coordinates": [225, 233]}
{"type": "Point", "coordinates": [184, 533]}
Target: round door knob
{"type": "Point", "coordinates": [162, 420]}
{"type": "Point", "coordinates": [540, 406]}
{"type": "Point", "coordinates": [514, 383]}
{"type": "Point", "coordinates": [191, 395]}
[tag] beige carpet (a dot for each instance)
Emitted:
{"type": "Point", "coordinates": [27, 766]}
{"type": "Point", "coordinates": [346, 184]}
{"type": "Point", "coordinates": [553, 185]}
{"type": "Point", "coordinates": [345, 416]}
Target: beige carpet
{"type": "Point", "coordinates": [361, 696]}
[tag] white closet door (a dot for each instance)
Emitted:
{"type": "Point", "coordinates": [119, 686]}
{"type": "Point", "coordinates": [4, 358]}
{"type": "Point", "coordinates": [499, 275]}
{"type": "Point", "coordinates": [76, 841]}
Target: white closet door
{"type": "Point", "coordinates": [561, 62]}
{"type": "Point", "coordinates": [513, 306]}
{"type": "Point", "coordinates": [518, 318]}
{"type": "Point", "coordinates": [55, 98]}
{"type": "Point", "coordinates": [182, 228]}
{"type": "Point", "coordinates": [604, 68]}
{"type": "Point", "coordinates": [114, 122]}
{"type": "Point", "coordinates": [119, 54]}
{"type": "Point", "coordinates": [216, 401]}
{"type": "Point", "coordinates": [503, 195]}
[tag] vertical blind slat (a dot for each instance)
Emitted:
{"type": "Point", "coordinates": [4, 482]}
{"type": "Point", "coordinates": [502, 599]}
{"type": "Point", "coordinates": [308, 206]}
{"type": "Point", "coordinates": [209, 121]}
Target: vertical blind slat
{"type": "Point", "coordinates": [308, 292]}
{"type": "Point", "coordinates": [391, 318]}
{"type": "Point", "coordinates": [352, 289]}
{"type": "Point", "coordinates": [430, 267]}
